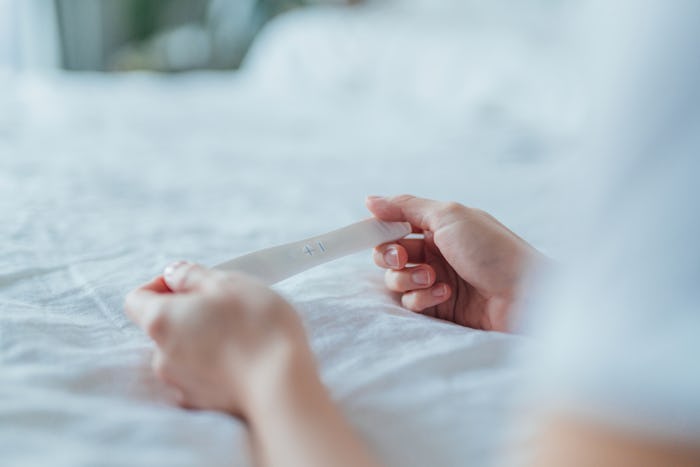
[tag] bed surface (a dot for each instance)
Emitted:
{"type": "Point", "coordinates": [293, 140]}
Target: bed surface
{"type": "Point", "coordinates": [104, 180]}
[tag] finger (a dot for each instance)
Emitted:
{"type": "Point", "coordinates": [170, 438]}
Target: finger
{"type": "Point", "coordinates": [163, 369]}
{"type": "Point", "coordinates": [140, 297]}
{"type": "Point", "coordinates": [184, 403]}
{"type": "Point", "coordinates": [420, 212]}
{"type": "Point", "coordinates": [148, 310]}
{"type": "Point", "coordinates": [186, 277]}
{"type": "Point", "coordinates": [390, 256]}
{"type": "Point", "coordinates": [419, 300]}
{"type": "Point", "coordinates": [140, 302]}
{"type": "Point", "coordinates": [157, 285]}
{"type": "Point", "coordinates": [415, 247]}
{"type": "Point", "coordinates": [396, 255]}
{"type": "Point", "coordinates": [159, 366]}
{"type": "Point", "coordinates": [164, 372]}
{"type": "Point", "coordinates": [417, 277]}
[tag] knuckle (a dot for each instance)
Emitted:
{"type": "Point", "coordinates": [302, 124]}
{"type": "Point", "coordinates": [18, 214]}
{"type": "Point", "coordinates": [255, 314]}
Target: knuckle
{"type": "Point", "coordinates": [224, 281]}
{"type": "Point", "coordinates": [157, 326]}
{"type": "Point", "coordinates": [451, 208]}
{"type": "Point", "coordinates": [483, 214]}
{"type": "Point", "coordinates": [403, 198]}
{"type": "Point", "coordinates": [425, 267]}
{"type": "Point", "coordinates": [391, 279]}
{"type": "Point", "coordinates": [443, 212]}
{"type": "Point", "coordinates": [224, 297]}
{"type": "Point", "coordinates": [159, 366]}
{"type": "Point", "coordinates": [398, 281]}
{"type": "Point", "coordinates": [408, 301]}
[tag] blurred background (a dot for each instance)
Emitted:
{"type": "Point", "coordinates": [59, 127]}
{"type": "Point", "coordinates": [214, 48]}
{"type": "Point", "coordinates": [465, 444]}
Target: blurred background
{"type": "Point", "coordinates": [491, 92]}
{"type": "Point", "coordinates": [123, 35]}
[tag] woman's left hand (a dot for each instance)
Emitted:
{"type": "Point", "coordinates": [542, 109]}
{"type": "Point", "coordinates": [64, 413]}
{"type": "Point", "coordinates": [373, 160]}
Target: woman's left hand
{"type": "Point", "coordinates": [220, 337]}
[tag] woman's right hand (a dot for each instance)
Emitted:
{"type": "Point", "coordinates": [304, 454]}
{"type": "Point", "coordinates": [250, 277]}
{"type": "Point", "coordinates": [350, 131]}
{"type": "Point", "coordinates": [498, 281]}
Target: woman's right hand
{"type": "Point", "coordinates": [468, 269]}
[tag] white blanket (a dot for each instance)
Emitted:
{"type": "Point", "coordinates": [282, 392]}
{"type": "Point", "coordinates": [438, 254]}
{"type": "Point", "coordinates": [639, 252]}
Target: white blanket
{"type": "Point", "coordinates": [104, 180]}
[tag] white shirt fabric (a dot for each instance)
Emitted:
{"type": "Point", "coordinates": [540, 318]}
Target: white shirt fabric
{"type": "Point", "coordinates": [620, 329]}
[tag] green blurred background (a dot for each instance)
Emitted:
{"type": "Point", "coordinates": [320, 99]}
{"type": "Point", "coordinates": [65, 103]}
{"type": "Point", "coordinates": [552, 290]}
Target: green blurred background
{"type": "Point", "coordinates": [162, 35]}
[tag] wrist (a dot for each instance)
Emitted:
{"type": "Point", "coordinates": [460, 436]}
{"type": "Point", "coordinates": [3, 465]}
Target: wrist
{"type": "Point", "coordinates": [287, 373]}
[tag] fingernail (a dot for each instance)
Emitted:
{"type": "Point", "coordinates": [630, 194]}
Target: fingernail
{"type": "Point", "coordinates": [375, 197]}
{"type": "Point", "coordinates": [391, 257]}
{"type": "Point", "coordinates": [420, 277]}
{"type": "Point", "coordinates": [171, 268]}
{"type": "Point", "coordinates": [439, 291]}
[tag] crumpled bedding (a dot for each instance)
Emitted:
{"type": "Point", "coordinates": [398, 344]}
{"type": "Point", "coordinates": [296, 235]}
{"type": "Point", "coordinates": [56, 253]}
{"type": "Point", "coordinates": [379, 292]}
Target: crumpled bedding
{"type": "Point", "coordinates": [105, 180]}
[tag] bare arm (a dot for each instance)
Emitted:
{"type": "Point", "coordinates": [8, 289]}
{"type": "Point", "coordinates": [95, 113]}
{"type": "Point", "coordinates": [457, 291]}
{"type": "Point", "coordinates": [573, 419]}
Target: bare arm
{"type": "Point", "coordinates": [575, 443]}
{"type": "Point", "coordinates": [295, 423]}
{"type": "Point", "coordinates": [226, 342]}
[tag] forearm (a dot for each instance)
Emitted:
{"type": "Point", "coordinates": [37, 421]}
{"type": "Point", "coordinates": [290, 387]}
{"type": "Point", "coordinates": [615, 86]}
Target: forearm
{"type": "Point", "coordinates": [295, 423]}
{"type": "Point", "coordinates": [574, 443]}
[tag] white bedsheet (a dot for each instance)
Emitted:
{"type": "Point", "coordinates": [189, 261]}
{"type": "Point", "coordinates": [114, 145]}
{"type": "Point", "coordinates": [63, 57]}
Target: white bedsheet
{"type": "Point", "coordinates": [104, 180]}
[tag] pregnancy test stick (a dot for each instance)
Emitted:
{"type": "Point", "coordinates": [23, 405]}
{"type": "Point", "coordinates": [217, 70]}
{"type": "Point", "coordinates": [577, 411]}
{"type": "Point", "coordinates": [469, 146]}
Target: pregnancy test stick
{"type": "Point", "coordinates": [280, 262]}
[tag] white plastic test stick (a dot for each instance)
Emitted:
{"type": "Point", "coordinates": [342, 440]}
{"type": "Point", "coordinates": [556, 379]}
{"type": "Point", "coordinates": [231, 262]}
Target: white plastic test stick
{"type": "Point", "coordinates": [280, 262]}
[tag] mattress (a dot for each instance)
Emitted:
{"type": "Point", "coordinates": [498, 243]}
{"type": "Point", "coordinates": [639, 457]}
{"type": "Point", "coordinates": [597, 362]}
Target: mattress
{"type": "Point", "coordinates": [106, 179]}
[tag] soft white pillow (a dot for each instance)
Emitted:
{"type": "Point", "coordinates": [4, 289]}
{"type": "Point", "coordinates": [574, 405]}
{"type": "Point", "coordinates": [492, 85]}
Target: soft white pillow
{"type": "Point", "coordinates": [449, 62]}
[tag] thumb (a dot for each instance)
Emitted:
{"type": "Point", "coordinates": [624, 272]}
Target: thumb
{"type": "Point", "coordinates": [419, 212]}
{"type": "Point", "coordinates": [185, 277]}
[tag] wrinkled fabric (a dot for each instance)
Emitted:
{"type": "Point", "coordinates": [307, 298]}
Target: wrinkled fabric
{"type": "Point", "coordinates": [105, 180]}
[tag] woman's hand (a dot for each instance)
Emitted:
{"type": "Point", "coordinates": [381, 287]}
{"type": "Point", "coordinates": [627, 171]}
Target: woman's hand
{"type": "Point", "coordinates": [468, 269]}
{"type": "Point", "coordinates": [226, 342]}
{"type": "Point", "coordinates": [221, 338]}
